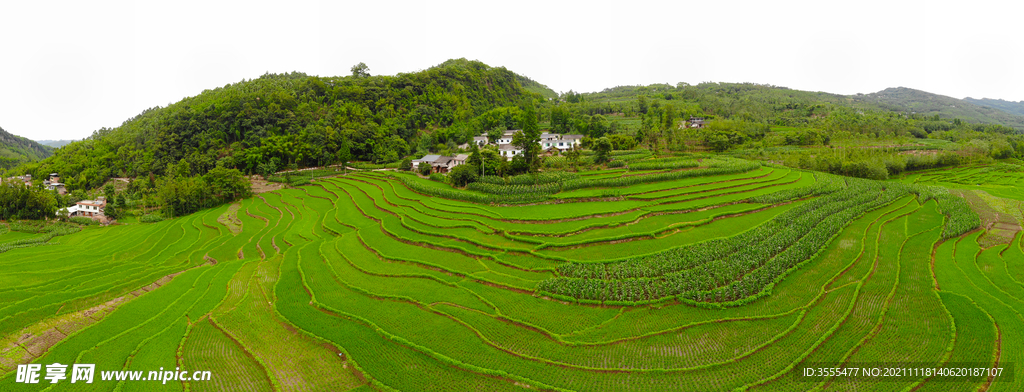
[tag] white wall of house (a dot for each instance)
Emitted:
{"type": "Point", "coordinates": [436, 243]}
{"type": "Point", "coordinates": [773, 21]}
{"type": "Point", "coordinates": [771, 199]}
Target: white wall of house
{"type": "Point", "coordinates": [508, 154]}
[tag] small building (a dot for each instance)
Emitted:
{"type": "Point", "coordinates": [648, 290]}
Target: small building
{"type": "Point", "coordinates": [568, 142]}
{"type": "Point", "coordinates": [88, 208]}
{"type": "Point", "coordinates": [54, 177]}
{"type": "Point", "coordinates": [481, 140]}
{"type": "Point", "coordinates": [428, 159]}
{"type": "Point", "coordinates": [696, 122]}
{"type": "Point", "coordinates": [458, 160]}
{"type": "Point", "coordinates": [506, 137]}
{"type": "Point", "coordinates": [443, 164]}
{"type": "Point", "coordinates": [508, 151]}
{"type": "Point", "coordinates": [56, 186]}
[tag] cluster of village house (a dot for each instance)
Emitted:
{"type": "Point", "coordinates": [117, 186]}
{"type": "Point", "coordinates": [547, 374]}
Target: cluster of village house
{"type": "Point", "coordinates": [85, 208]}
{"type": "Point", "coordinates": [53, 183]}
{"type": "Point", "coordinates": [548, 142]}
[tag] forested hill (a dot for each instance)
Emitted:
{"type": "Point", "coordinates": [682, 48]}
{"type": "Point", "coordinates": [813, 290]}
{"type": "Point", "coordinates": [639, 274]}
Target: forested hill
{"type": "Point", "coordinates": [282, 120]}
{"type": "Point", "coordinates": [902, 99]}
{"type": "Point", "coordinates": [1015, 108]}
{"type": "Point", "coordinates": [15, 150]}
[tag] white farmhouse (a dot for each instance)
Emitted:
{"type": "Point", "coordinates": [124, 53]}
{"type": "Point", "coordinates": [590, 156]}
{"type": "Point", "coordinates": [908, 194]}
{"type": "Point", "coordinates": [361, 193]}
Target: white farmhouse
{"type": "Point", "coordinates": [567, 142]}
{"type": "Point", "coordinates": [506, 137]}
{"type": "Point", "coordinates": [88, 208]}
{"type": "Point", "coordinates": [508, 151]}
{"type": "Point", "coordinates": [458, 160]}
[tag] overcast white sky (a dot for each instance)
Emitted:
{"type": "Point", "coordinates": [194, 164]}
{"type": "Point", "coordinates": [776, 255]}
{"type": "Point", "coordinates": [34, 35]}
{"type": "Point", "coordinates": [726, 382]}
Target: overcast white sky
{"type": "Point", "coordinates": [68, 68]}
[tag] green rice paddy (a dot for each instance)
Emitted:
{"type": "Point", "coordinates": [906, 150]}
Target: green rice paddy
{"type": "Point", "coordinates": [734, 281]}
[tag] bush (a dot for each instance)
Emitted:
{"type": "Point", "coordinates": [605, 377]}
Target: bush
{"type": "Point", "coordinates": [406, 165]}
{"type": "Point", "coordinates": [617, 163]}
{"type": "Point", "coordinates": [602, 150]}
{"type": "Point", "coordinates": [462, 175]}
{"type": "Point", "coordinates": [151, 218]}
{"type": "Point", "coordinates": [84, 221]}
{"type": "Point", "coordinates": [424, 169]}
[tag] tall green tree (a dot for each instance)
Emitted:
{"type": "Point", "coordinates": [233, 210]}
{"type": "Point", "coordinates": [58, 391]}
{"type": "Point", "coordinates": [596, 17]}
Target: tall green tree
{"type": "Point", "coordinates": [602, 150]}
{"type": "Point", "coordinates": [360, 70]}
{"type": "Point", "coordinates": [529, 142]}
{"type": "Point", "coordinates": [528, 118]}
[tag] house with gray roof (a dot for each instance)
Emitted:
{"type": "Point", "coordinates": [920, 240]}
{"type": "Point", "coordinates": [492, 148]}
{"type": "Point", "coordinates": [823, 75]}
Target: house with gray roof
{"type": "Point", "coordinates": [428, 159]}
{"type": "Point", "coordinates": [508, 151]}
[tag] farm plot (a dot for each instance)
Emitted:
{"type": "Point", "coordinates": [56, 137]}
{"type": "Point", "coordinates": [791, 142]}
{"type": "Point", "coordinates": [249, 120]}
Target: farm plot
{"type": "Point", "coordinates": [718, 281]}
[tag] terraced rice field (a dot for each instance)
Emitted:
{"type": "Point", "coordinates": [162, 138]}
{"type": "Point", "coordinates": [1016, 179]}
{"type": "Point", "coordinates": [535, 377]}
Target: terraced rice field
{"type": "Point", "coordinates": [1002, 180]}
{"type": "Point", "coordinates": [706, 283]}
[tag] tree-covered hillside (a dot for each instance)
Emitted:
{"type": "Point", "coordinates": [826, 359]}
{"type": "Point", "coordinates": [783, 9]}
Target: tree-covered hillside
{"type": "Point", "coordinates": [15, 150]}
{"type": "Point", "coordinates": [295, 120]}
{"type": "Point", "coordinates": [281, 120]}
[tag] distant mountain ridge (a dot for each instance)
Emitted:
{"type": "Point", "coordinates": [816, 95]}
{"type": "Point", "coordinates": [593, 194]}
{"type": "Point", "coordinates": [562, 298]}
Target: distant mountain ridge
{"type": "Point", "coordinates": [55, 143]}
{"type": "Point", "coordinates": [902, 99]}
{"type": "Point", "coordinates": [1015, 108]}
{"type": "Point", "coordinates": [15, 150]}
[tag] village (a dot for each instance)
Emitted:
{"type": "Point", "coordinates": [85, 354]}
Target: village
{"type": "Point", "coordinates": [550, 144]}
{"type": "Point", "coordinates": [92, 209]}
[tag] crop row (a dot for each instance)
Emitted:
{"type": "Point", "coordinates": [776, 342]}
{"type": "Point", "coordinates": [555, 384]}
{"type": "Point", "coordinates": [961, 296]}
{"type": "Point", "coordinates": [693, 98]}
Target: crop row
{"type": "Point", "coordinates": [728, 268]}
{"type": "Point", "coordinates": [663, 163]}
{"type": "Point", "coordinates": [533, 193]}
{"type": "Point", "coordinates": [373, 166]}
{"type": "Point", "coordinates": [530, 179]}
{"type": "Point", "coordinates": [960, 218]}
{"type": "Point", "coordinates": [473, 197]}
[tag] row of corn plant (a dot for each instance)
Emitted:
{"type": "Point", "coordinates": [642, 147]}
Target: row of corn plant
{"type": "Point", "coordinates": [530, 178]}
{"type": "Point", "coordinates": [747, 264]}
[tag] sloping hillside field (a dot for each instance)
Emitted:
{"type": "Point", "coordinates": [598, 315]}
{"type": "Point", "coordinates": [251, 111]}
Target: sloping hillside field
{"type": "Point", "coordinates": [714, 277]}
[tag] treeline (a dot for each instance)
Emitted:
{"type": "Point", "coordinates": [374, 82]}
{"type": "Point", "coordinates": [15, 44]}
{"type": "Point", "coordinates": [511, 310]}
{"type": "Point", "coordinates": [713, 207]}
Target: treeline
{"type": "Point", "coordinates": [20, 202]}
{"type": "Point", "coordinates": [744, 114]}
{"type": "Point", "coordinates": [875, 164]}
{"type": "Point", "coordinates": [179, 193]}
{"type": "Point", "coordinates": [176, 194]}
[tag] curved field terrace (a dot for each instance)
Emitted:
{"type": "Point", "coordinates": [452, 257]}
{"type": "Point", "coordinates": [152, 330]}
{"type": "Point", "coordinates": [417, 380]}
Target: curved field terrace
{"type": "Point", "coordinates": [704, 276]}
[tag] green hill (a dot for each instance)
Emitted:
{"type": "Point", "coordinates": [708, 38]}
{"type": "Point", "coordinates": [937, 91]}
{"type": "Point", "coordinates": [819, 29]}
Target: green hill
{"type": "Point", "coordinates": [15, 150]}
{"type": "Point", "coordinates": [902, 99]}
{"type": "Point", "coordinates": [1014, 108]}
{"type": "Point", "coordinates": [278, 120]}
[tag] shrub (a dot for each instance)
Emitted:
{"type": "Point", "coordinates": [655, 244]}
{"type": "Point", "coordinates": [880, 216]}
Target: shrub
{"type": "Point", "coordinates": [84, 221]}
{"type": "Point", "coordinates": [462, 175]}
{"type": "Point", "coordinates": [602, 150]}
{"type": "Point", "coordinates": [151, 218]}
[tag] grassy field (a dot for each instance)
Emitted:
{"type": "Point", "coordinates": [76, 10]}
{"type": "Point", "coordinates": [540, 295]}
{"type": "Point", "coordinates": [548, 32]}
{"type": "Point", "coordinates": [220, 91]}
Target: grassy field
{"type": "Point", "coordinates": [731, 279]}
